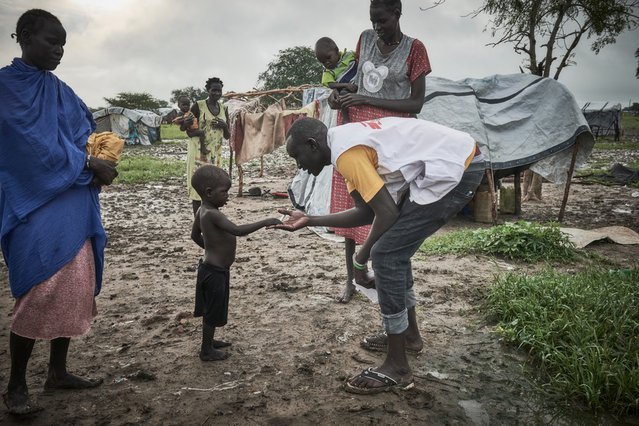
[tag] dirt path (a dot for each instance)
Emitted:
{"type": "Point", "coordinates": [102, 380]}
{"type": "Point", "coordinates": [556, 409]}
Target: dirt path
{"type": "Point", "coordinates": [293, 345]}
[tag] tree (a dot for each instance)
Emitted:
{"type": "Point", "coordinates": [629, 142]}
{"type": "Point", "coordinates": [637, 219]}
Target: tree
{"type": "Point", "coordinates": [133, 100]}
{"type": "Point", "coordinates": [550, 30]}
{"type": "Point", "coordinates": [291, 67]}
{"type": "Point", "coordinates": [193, 94]}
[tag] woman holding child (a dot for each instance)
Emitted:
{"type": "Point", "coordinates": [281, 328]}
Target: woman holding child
{"type": "Point", "coordinates": [50, 228]}
{"type": "Point", "coordinates": [390, 80]}
{"type": "Point", "coordinates": [205, 145]}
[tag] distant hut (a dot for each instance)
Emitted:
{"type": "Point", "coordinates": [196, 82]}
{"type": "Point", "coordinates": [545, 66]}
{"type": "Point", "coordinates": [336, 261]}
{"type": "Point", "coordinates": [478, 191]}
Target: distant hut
{"type": "Point", "coordinates": [604, 118]}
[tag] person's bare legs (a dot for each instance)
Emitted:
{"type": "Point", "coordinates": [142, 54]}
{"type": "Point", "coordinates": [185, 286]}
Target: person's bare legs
{"type": "Point", "coordinates": [58, 377]}
{"type": "Point", "coordinates": [208, 352]}
{"type": "Point", "coordinates": [349, 289]}
{"type": "Point", "coordinates": [17, 396]}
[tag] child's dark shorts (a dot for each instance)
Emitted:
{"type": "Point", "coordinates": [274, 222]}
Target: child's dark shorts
{"type": "Point", "coordinates": [212, 294]}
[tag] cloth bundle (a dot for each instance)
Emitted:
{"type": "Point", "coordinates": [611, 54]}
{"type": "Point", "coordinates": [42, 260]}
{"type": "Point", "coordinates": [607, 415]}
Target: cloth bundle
{"type": "Point", "coordinates": [105, 145]}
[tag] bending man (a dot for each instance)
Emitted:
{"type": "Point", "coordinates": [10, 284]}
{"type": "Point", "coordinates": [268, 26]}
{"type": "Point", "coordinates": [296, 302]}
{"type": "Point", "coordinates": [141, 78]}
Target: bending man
{"type": "Point", "coordinates": [407, 178]}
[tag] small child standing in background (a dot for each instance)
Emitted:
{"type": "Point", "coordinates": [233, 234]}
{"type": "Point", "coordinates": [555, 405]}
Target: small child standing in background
{"type": "Point", "coordinates": [187, 121]}
{"type": "Point", "coordinates": [339, 68]}
{"type": "Point", "coordinates": [217, 236]}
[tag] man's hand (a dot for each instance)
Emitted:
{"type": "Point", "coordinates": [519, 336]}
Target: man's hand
{"type": "Point", "coordinates": [296, 220]}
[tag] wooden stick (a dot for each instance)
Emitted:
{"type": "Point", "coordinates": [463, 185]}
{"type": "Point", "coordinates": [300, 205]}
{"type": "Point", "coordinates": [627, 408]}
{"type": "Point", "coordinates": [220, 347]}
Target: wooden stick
{"type": "Point", "coordinates": [517, 192]}
{"type": "Point", "coordinates": [240, 180]}
{"type": "Point", "coordinates": [493, 197]}
{"type": "Point", "coordinates": [288, 90]}
{"type": "Point", "coordinates": [261, 166]}
{"type": "Point", "coordinates": [571, 169]}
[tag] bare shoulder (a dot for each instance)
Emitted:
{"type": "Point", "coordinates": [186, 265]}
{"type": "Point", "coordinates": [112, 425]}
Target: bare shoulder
{"type": "Point", "coordinates": [211, 215]}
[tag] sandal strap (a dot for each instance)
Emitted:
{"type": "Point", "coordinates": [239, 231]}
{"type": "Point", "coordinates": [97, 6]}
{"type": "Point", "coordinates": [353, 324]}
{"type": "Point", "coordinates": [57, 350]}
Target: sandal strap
{"type": "Point", "coordinates": [369, 373]}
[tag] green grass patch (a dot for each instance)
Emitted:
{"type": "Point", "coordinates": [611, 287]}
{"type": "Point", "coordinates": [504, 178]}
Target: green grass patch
{"type": "Point", "coordinates": [602, 144]}
{"type": "Point", "coordinates": [146, 168]}
{"type": "Point", "coordinates": [629, 121]}
{"type": "Point", "coordinates": [582, 329]}
{"type": "Point", "coordinates": [172, 131]}
{"type": "Point", "coordinates": [521, 240]}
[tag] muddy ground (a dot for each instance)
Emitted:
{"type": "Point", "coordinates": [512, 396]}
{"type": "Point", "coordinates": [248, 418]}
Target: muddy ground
{"type": "Point", "coordinates": [293, 345]}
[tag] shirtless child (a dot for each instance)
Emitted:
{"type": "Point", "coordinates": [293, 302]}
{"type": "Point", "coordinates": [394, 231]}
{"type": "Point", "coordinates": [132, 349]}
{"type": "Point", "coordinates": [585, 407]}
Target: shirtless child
{"type": "Point", "coordinates": [217, 236]}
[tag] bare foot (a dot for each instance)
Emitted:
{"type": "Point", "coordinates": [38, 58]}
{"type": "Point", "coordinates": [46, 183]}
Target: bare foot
{"type": "Point", "coordinates": [18, 402]}
{"type": "Point", "coordinates": [214, 355]}
{"type": "Point", "coordinates": [217, 344]}
{"type": "Point", "coordinates": [349, 291]}
{"type": "Point", "coordinates": [70, 381]}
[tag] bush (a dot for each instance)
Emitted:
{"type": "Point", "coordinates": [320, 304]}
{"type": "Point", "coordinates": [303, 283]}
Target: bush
{"type": "Point", "coordinates": [582, 329]}
{"type": "Point", "coordinates": [525, 241]}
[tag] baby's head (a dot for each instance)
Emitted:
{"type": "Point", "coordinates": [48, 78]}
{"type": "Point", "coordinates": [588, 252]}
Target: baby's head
{"type": "Point", "coordinates": [326, 52]}
{"type": "Point", "coordinates": [212, 184]}
{"type": "Point", "coordinates": [42, 38]}
{"type": "Point", "coordinates": [184, 103]}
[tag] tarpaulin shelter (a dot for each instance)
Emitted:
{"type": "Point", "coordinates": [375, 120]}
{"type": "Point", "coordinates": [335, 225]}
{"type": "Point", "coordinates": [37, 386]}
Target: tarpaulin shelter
{"type": "Point", "coordinates": [133, 125]}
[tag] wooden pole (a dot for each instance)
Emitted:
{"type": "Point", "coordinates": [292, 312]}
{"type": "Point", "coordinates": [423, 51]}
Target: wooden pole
{"type": "Point", "coordinates": [571, 169]}
{"type": "Point", "coordinates": [493, 196]}
{"type": "Point", "coordinates": [240, 181]}
{"type": "Point", "coordinates": [517, 192]}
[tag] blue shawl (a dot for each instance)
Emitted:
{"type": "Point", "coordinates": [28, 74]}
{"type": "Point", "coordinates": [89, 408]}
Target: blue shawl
{"type": "Point", "coordinates": [48, 207]}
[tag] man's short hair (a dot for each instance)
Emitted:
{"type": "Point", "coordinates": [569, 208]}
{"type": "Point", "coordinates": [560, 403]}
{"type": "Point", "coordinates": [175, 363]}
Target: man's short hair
{"type": "Point", "coordinates": [305, 128]}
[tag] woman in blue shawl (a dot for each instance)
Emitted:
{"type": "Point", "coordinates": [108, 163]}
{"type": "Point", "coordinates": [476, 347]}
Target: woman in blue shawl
{"type": "Point", "coordinates": [51, 233]}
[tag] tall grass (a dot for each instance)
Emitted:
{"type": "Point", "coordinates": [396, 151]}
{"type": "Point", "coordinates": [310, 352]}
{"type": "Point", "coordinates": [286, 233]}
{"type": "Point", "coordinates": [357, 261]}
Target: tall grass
{"type": "Point", "coordinates": [171, 131]}
{"type": "Point", "coordinates": [146, 168]}
{"type": "Point", "coordinates": [521, 240]}
{"type": "Point", "coordinates": [583, 329]}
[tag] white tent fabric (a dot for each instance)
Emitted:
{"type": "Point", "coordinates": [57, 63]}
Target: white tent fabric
{"type": "Point", "coordinates": [133, 125]}
{"type": "Point", "coordinates": [519, 121]}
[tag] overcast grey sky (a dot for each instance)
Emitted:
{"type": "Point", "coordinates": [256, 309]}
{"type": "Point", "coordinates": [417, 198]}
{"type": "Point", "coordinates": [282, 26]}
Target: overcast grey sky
{"type": "Point", "coordinates": [156, 46]}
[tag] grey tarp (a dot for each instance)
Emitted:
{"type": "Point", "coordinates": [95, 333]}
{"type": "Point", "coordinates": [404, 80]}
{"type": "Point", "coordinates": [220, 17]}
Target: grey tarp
{"type": "Point", "coordinates": [135, 126]}
{"type": "Point", "coordinates": [519, 121]}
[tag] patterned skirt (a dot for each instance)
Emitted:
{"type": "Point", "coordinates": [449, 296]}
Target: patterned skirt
{"type": "Point", "coordinates": [61, 306]}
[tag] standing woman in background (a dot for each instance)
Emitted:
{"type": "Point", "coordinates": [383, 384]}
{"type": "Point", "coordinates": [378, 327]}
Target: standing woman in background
{"type": "Point", "coordinates": [50, 227]}
{"type": "Point", "coordinates": [205, 145]}
{"type": "Point", "coordinates": [391, 82]}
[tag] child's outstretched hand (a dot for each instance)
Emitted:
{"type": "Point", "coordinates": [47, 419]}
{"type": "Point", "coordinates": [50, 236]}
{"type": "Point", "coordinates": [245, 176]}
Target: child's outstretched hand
{"type": "Point", "coordinates": [271, 223]}
{"type": "Point", "coordinates": [297, 219]}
